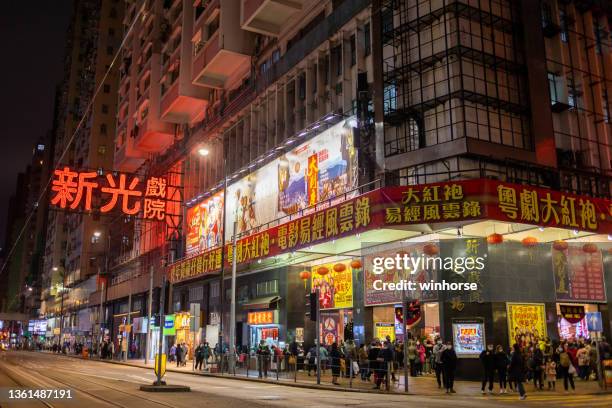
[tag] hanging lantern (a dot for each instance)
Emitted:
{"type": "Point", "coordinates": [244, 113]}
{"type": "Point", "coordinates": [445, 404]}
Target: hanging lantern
{"type": "Point", "coordinates": [356, 264]}
{"type": "Point", "coordinates": [431, 249]}
{"type": "Point", "coordinates": [323, 270]}
{"type": "Point", "coordinates": [530, 241]}
{"type": "Point", "coordinates": [495, 239]}
{"type": "Point", "coordinates": [305, 276]}
{"type": "Point", "coordinates": [560, 245]}
{"type": "Point", "coordinates": [339, 267]}
{"type": "Point", "coordinates": [590, 248]}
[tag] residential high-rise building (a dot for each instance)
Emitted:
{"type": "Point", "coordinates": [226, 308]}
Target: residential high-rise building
{"type": "Point", "coordinates": [84, 139]}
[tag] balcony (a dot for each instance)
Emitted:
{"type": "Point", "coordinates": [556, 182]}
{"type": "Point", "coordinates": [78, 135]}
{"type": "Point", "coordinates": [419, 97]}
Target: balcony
{"type": "Point", "coordinates": [153, 135]}
{"type": "Point", "coordinates": [268, 17]}
{"type": "Point", "coordinates": [128, 158]}
{"type": "Point", "coordinates": [216, 63]}
{"type": "Point", "coordinates": [183, 102]}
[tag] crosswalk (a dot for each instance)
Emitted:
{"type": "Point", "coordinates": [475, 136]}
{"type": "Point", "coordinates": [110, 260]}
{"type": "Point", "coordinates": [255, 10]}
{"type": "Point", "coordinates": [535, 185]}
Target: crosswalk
{"type": "Point", "coordinates": [562, 400]}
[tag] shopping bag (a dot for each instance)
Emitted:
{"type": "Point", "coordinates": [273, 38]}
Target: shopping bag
{"type": "Point", "coordinates": [355, 367]}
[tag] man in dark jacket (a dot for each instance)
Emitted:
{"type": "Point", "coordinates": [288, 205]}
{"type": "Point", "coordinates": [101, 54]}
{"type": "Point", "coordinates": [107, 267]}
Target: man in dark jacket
{"type": "Point", "coordinates": [263, 356]}
{"type": "Point", "coordinates": [517, 370]}
{"type": "Point", "coordinates": [449, 364]}
{"type": "Point", "coordinates": [374, 363]}
{"type": "Point", "coordinates": [487, 359]}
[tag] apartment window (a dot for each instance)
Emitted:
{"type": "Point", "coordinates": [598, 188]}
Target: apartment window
{"type": "Point", "coordinates": [337, 58]}
{"type": "Point", "coordinates": [275, 56]}
{"type": "Point", "coordinates": [267, 288]}
{"type": "Point", "coordinates": [302, 87]}
{"type": "Point", "coordinates": [389, 99]}
{"type": "Point", "coordinates": [552, 87]}
{"type": "Point", "coordinates": [103, 128]}
{"type": "Point", "coordinates": [214, 290]}
{"type": "Point", "coordinates": [604, 106]}
{"type": "Point", "coordinates": [563, 22]}
{"type": "Point", "coordinates": [109, 50]}
{"type": "Point", "coordinates": [546, 15]}
{"type": "Point", "coordinates": [106, 88]}
{"type": "Point", "coordinates": [353, 50]}
{"type": "Point", "coordinates": [104, 108]}
{"type": "Point", "coordinates": [366, 39]}
{"type": "Point", "coordinates": [387, 20]}
{"type": "Point", "coordinates": [572, 94]}
{"type": "Point", "coordinates": [102, 150]}
{"type": "Point", "coordinates": [597, 33]}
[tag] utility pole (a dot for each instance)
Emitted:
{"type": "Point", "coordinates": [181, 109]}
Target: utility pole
{"type": "Point", "coordinates": [318, 334]}
{"type": "Point", "coordinates": [222, 285]}
{"type": "Point", "coordinates": [150, 306]}
{"type": "Point", "coordinates": [162, 319]}
{"type": "Point", "coordinates": [232, 332]}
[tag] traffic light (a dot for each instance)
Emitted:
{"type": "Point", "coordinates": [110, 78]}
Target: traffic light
{"type": "Point", "coordinates": [314, 302]}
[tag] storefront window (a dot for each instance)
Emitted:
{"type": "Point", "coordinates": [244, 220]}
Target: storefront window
{"type": "Point", "coordinates": [267, 288]}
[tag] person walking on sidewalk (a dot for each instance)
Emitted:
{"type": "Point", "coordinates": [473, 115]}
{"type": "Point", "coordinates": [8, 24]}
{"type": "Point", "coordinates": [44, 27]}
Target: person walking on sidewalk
{"type": "Point", "coordinates": [501, 365]}
{"type": "Point", "coordinates": [538, 368]}
{"type": "Point", "coordinates": [551, 373]}
{"type": "Point", "coordinates": [566, 367]}
{"type": "Point", "coordinates": [487, 359]}
{"type": "Point", "coordinates": [198, 355]}
{"type": "Point", "coordinates": [517, 370]}
{"type": "Point", "coordinates": [412, 356]}
{"type": "Point", "coordinates": [263, 357]}
{"type": "Point", "coordinates": [179, 355]}
{"type": "Point", "coordinates": [437, 359]}
{"type": "Point", "coordinates": [449, 364]}
{"type": "Point", "coordinates": [335, 357]}
{"type": "Point", "coordinates": [363, 362]}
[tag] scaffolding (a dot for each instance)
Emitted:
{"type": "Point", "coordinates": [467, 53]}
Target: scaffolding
{"type": "Point", "coordinates": [453, 69]}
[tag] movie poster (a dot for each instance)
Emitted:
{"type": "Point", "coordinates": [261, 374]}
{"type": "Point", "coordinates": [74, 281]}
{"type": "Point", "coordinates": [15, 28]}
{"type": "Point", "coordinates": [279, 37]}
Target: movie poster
{"type": "Point", "coordinates": [375, 297]}
{"type": "Point", "coordinates": [526, 323]}
{"type": "Point", "coordinates": [578, 275]}
{"type": "Point", "coordinates": [320, 169]}
{"type": "Point", "coordinates": [468, 337]}
{"type": "Point", "coordinates": [330, 328]}
{"type": "Point", "coordinates": [335, 287]}
{"type": "Point", "coordinates": [204, 229]}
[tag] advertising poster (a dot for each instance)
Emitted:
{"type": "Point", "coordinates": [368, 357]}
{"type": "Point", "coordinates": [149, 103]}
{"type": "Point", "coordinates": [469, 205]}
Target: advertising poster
{"type": "Point", "coordinates": [320, 169]}
{"type": "Point", "coordinates": [204, 227]}
{"type": "Point", "coordinates": [578, 275]}
{"type": "Point", "coordinates": [335, 287]}
{"type": "Point", "coordinates": [468, 337]}
{"type": "Point", "coordinates": [572, 331]}
{"type": "Point", "coordinates": [526, 323]}
{"type": "Point", "coordinates": [330, 322]}
{"type": "Point", "coordinates": [382, 330]}
{"type": "Point", "coordinates": [375, 297]}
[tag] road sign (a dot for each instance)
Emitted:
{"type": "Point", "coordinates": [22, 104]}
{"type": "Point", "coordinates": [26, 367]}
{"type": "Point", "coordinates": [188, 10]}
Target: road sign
{"type": "Point", "coordinates": [163, 365]}
{"type": "Point", "coordinates": [594, 322]}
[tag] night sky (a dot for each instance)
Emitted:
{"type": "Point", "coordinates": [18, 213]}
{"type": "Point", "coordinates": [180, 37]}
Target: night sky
{"type": "Point", "coordinates": [32, 40]}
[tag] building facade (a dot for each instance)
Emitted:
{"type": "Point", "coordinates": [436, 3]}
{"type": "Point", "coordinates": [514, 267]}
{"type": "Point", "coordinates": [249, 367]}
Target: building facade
{"type": "Point", "coordinates": [326, 134]}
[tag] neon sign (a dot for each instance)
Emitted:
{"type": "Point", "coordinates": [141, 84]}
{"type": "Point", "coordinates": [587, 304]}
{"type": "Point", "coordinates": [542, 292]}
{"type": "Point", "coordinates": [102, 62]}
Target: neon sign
{"type": "Point", "coordinates": [73, 190]}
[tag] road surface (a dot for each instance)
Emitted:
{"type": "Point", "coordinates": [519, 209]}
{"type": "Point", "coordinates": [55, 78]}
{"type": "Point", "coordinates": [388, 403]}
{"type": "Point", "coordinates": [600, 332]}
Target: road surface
{"type": "Point", "coordinates": [97, 384]}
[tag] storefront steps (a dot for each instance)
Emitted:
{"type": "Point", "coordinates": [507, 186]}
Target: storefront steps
{"type": "Point", "coordinates": [422, 385]}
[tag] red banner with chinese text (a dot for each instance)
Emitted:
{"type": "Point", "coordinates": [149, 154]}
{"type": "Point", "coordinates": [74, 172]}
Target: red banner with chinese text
{"type": "Point", "coordinates": [420, 204]}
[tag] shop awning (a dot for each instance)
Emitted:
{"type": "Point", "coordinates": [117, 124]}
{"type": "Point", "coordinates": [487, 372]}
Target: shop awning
{"type": "Point", "coordinates": [262, 303]}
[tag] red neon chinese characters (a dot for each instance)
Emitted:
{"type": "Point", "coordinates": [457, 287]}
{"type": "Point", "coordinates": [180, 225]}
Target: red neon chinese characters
{"type": "Point", "coordinates": [124, 192]}
{"type": "Point", "coordinates": [155, 208]}
{"type": "Point", "coordinates": [66, 186]}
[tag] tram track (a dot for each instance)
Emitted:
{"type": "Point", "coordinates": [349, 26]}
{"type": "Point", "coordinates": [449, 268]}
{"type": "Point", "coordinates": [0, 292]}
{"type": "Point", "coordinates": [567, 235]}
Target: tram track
{"type": "Point", "coordinates": [21, 385]}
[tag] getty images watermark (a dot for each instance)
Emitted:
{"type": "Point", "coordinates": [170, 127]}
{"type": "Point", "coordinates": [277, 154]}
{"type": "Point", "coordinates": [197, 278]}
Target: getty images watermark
{"type": "Point", "coordinates": [413, 264]}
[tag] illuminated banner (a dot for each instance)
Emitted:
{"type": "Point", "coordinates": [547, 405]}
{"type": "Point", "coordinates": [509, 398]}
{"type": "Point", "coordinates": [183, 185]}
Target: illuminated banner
{"type": "Point", "coordinates": [204, 229]}
{"type": "Point", "coordinates": [396, 206]}
{"type": "Point", "coordinates": [335, 283]}
{"type": "Point", "coordinates": [74, 190]}
{"type": "Point", "coordinates": [262, 317]}
{"type": "Point", "coordinates": [578, 275]}
{"type": "Point", "coordinates": [320, 169]}
{"type": "Point", "coordinates": [526, 323]}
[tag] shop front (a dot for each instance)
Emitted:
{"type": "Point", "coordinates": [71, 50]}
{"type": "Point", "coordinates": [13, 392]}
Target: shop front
{"type": "Point", "coordinates": [263, 325]}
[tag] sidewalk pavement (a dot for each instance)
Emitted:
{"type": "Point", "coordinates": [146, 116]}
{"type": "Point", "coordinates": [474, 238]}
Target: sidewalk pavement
{"type": "Point", "coordinates": [422, 385]}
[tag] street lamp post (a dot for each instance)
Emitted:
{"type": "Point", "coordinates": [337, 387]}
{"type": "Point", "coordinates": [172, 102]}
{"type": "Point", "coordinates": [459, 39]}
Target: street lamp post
{"type": "Point", "coordinates": [232, 332]}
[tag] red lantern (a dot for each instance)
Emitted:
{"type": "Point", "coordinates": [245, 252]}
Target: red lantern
{"type": "Point", "coordinates": [560, 245]}
{"type": "Point", "coordinates": [323, 270]}
{"type": "Point", "coordinates": [590, 248]}
{"type": "Point", "coordinates": [356, 264]}
{"type": "Point", "coordinates": [495, 239]}
{"type": "Point", "coordinates": [339, 267]}
{"type": "Point", "coordinates": [530, 241]}
{"type": "Point", "coordinates": [305, 275]}
{"type": "Point", "coordinates": [431, 249]}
